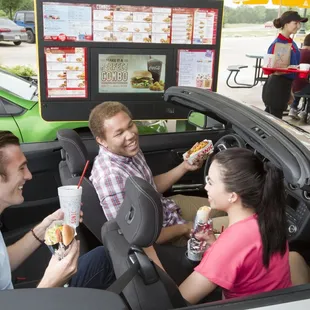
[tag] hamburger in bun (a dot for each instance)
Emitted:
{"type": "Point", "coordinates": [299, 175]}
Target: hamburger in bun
{"type": "Point", "coordinates": [141, 79]}
{"type": "Point", "coordinates": [59, 233]}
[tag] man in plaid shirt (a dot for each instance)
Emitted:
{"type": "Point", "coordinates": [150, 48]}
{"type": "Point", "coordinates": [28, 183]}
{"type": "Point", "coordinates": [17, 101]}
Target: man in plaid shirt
{"type": "Point", "coordinates": [120, 156]}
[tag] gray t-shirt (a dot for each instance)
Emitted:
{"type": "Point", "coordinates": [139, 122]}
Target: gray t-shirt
{"type": "Point", "coordinates": [5, 268]}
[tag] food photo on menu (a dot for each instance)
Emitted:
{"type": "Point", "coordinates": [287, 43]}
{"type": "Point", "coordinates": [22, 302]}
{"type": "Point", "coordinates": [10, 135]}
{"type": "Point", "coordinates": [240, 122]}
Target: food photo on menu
{"type": "Point", "coordinates": [132, 73]}
{"type": "Point", "coordinates": [65, 72]}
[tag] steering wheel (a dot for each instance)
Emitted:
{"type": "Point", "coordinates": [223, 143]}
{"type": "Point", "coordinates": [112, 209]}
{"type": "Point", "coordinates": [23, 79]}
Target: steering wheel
{"type": "Point", "coordinates": [226, 142]}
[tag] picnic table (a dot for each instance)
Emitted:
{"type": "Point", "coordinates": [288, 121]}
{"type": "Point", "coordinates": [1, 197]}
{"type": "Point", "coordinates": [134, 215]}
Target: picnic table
{"type": "Point", "coordinates": [235, 70]}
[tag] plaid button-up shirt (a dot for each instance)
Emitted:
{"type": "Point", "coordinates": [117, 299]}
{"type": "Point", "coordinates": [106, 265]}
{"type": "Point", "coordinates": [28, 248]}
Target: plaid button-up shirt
{"type": "Point", "coordinates": [109, 175]}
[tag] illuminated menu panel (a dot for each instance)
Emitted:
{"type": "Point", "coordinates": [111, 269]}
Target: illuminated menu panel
{"type": "Point", "coordinates": [131, 24]}
{"type": "Point", "coordinates": [65, 72]}
{"type": "Point", "coordinates": [196, 68]}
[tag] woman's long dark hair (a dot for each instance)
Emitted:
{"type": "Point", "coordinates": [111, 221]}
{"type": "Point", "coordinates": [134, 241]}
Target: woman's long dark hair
{"type": "Point", "coordinates": [260, 186]}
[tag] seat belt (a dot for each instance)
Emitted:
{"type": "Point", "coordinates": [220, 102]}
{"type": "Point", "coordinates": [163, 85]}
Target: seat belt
{"type": "Point", "coordinates": [119, 285]}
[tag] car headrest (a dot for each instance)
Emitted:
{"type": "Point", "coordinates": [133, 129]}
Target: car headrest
{"type": "Point", "coordinates": [140, 217]}
{"type": "Point", "coordinates": [75, 150]}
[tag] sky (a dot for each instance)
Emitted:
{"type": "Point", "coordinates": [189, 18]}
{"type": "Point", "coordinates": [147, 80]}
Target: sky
{"type": "Point", "coordinates": [231, 4]}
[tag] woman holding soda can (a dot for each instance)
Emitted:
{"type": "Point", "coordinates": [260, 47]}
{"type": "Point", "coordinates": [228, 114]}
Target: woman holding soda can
{"type": "Point", "coordinates": [251, 255]}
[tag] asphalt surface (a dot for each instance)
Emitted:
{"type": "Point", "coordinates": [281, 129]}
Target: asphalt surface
{"type": "Point", "coordinates": [233, 52]}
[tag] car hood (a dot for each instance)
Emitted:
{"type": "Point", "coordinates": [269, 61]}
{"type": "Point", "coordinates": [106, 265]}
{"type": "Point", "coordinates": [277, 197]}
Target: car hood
{"type": "Point", "coordinates": [284, 145]}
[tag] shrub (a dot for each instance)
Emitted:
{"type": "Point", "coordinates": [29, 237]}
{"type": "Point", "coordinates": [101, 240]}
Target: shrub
{"type": "Point", "coordinates": [25, 71]}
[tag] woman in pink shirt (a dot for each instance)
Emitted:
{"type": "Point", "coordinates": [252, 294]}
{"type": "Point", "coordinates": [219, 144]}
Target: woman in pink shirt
{"type": "Point", "coordinates": [251, 256]}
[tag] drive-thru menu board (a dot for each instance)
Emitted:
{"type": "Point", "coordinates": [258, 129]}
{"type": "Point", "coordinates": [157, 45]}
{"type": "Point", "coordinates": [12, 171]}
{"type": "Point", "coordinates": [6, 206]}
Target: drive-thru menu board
{"type": "Point", "coordinates": [66, 72]}
{"type": "Point", "coordinates": [125, 23]}
{"type": "Point", "coordinates": [195, 68]}
{"type": "Point", "coordinates": [67, 22]}
{"type": "Point", "coordinates": [91, 51]}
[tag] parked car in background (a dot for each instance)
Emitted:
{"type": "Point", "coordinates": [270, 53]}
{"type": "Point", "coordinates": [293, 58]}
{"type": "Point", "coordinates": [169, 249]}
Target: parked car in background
{"type": "Point", "coordinates": [26, 20]}
{"type": "Point", "coordinates": [20, 113]}
{"type": "Point", "coordinates": [269, 24]}
{"type": "Point", "coordinates": [11, 32]}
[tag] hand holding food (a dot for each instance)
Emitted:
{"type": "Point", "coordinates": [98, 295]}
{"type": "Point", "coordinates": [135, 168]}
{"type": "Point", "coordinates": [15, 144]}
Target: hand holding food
{"type": "Point", "coordinates": [199, 152]}
{"type": "Point", "coordinates": [59, 272]}
{"type": "Point", "coordinates": [58, 237]}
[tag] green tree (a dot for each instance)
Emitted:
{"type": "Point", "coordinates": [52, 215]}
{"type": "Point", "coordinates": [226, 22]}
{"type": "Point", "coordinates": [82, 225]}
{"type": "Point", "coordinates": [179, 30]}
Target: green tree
{"type": "Point", "coordinates": [9, 6]}
{"type": "Point", "coordinates": [27, 5]}
{"type": "Point", "coordinates": [2, 13]}
{"type": "Point", "coordinates": [248, 14]}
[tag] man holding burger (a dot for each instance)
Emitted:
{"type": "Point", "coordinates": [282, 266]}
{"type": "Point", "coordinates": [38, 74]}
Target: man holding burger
{"type": "Point", "coordinates": [93, 270]}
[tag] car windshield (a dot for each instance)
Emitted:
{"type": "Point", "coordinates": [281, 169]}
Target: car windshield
{"type": "Point", "coordinates": [6, 22]}
{"type": "Point", "coordinates": [18, 86]}
{"type": "Point", "coordinates": [300, 134]}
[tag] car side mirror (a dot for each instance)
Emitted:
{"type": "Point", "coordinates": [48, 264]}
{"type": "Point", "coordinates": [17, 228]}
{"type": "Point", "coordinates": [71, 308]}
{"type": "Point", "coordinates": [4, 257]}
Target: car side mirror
{"type": "Point", "coordinates": [197, 119]}
{"type": "Point", "coordinates": [203, 121]}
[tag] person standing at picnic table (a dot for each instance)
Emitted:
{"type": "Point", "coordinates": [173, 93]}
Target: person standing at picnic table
{"type": "Point", "coordinates": [301, 85]}
{"type": "Point", "coordinates": [277, 91]}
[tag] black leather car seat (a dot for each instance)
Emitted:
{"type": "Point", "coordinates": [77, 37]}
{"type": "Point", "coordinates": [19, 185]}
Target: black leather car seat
{"type": "Point", "coordinates": [137, 226]}
{"type": "Point", "coordinates": [74, 157]}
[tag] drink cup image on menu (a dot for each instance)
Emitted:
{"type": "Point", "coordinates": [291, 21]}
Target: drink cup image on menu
{"type": "Point", "coordinates": [70, 203]}
{"type": "Point", "coordinates": [132, 73]}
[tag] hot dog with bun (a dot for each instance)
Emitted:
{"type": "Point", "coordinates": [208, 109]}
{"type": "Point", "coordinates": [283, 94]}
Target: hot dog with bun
{"type": "Point", "coordinates": [199, 151]}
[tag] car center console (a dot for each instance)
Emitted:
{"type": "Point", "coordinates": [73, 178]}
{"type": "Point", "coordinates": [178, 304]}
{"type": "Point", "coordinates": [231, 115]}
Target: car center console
{"type": "Point", "coordinates": [298, 217]}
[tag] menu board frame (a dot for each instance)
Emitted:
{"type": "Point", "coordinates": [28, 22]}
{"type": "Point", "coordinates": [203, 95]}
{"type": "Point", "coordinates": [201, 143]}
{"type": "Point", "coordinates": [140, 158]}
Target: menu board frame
{"type": "Point", "coordinates": [143, 105]}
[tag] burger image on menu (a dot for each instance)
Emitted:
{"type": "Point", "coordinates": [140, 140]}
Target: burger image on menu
{"type": "Point", "coordinates": [141, 79]}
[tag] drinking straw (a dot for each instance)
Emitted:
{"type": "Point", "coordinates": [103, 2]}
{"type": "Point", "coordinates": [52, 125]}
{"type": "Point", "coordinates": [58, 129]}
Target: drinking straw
{"type": "Point", "coordinates": [83, 173]}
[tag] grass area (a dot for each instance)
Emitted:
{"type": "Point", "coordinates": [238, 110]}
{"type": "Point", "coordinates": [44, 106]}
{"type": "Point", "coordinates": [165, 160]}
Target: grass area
{"type": "Point", "coordinates": [240, 25]}
{"type": "Point", "coordinates": [248, 34]}
{"type": "Point", "coordinates": [247, 30]}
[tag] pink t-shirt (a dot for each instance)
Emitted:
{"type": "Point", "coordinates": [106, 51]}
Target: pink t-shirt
{"type": "Point", "coordinates": [235, 262]}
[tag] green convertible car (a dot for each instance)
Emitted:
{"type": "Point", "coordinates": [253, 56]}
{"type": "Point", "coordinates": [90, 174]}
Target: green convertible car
{"type": "Point", "coordinates": [19, 113]}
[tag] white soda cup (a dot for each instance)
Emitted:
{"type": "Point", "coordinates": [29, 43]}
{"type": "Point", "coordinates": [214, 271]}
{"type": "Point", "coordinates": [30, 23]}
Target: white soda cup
{"type": "Point", "coordinates": [70, 203]}
{"type": "Point", "coordinates": [304, 67]}
{"type": "Point", "coordinates": [269, 60]}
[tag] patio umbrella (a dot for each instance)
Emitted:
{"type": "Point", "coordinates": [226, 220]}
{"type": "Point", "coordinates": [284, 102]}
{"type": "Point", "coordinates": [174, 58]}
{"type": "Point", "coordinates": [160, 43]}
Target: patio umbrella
{"type": "Point", "coordinates": [292, 3]}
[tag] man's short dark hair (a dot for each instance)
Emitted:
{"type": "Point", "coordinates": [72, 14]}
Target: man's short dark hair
{"type": "Point", "coordinates": [6, 138]}
{"type": "Point", "coordinates": [101, 113]}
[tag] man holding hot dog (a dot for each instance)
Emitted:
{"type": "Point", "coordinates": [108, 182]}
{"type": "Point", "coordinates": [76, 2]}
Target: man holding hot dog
{"type": "Point", "coordinates": [93, 270]}
{"type": "Point", "coordinates": [120, 156]}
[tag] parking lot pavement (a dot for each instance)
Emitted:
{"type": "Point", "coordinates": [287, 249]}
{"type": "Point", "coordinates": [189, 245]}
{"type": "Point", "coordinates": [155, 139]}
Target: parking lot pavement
{"type": "Point", "coordinates": [232, 52]}
{"type": "Point", "coordinates": [24, 54]}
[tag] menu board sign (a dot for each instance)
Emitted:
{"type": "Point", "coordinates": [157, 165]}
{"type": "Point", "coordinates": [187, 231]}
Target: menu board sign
{"type": "Point", "coordinates": [131, 24]}
{"type": "Point", "coordinates": [67, 22]}
{"type": "Point", "coordinates": [205, 21]}
{"type": "Point", "coordinates": [195, 68]}
{"type": "Point", "coordinates": [182, 26]}
{"type": "Point", "coordinates": [131, 73]}
{"type": "Point", "coordinates": [66, 72]}
{"type": "Point", "coordinates": [125, 23]}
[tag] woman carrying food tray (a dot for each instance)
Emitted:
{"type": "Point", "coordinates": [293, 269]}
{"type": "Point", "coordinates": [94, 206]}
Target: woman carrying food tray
{"type": "Point", "coordinates": [277, 91]}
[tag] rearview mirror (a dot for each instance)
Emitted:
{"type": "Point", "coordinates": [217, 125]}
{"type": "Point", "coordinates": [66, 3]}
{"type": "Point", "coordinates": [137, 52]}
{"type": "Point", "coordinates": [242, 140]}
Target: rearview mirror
{"type": "Point", "coordinates": [197, 119]}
